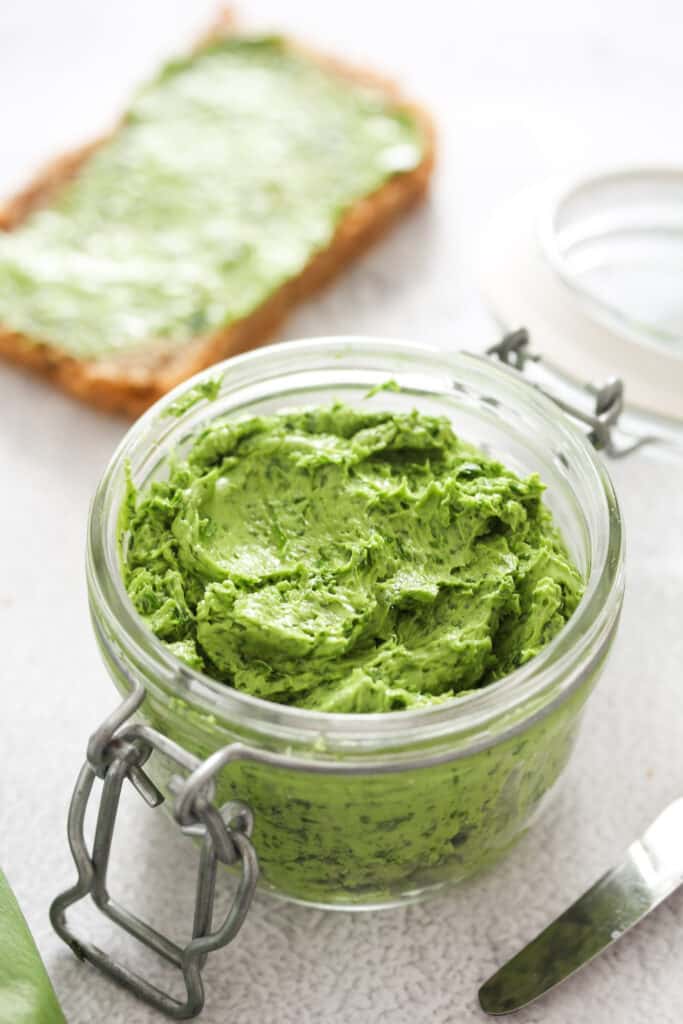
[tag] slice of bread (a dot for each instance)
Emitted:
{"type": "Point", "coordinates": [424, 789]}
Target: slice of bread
{"type": "Point", "coordinates": [132, 380]}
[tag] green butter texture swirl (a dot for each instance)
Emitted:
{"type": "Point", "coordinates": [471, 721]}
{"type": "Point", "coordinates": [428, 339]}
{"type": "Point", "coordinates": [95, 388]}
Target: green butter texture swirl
{"type": "Point", "coordinates": [347, 561]}
{"type": "Point", "coordinates": [229, 172]}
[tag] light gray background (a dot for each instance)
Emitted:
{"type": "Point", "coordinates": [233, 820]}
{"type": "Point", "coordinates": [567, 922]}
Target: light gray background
{"type": "Point", "coordinates": [519, 91]}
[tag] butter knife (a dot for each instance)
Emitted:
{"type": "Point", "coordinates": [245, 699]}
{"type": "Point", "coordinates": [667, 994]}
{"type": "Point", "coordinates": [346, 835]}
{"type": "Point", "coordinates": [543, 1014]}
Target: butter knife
{"type": "Point", "coordinates": [650, 871]}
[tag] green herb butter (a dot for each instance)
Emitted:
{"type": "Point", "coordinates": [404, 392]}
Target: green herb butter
{"type": "Point", "coordinates": [347, 561]}
{"type": "Point", "coordinates": [229, 172]}
{"type": "Point", "coordinates": [371, 838]}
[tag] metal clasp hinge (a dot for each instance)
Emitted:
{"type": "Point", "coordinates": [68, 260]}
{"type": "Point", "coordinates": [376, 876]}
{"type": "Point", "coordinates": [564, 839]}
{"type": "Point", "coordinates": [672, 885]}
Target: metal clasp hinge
{"type": "Point", "coordinates": [607, 398]}
{"type": "Point", "coordinates": [116, 752]}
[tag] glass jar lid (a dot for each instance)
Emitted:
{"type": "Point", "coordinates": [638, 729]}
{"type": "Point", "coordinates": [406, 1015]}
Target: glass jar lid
{"type": "Point", "coordinates": [593, 268]}
{"type": "Point", "coordinates": [617, 240]}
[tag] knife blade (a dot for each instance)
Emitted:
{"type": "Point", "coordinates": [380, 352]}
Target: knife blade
{"type": "Point", "coordinates": [650, 871]}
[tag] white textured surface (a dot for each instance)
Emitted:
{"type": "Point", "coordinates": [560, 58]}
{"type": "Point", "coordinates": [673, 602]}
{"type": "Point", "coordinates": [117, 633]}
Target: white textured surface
{"type": "Point", "coordinates": [519, 90]}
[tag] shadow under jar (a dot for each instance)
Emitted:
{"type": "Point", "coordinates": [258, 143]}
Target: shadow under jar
{"type": "Point", "coordinates": [364, 810]}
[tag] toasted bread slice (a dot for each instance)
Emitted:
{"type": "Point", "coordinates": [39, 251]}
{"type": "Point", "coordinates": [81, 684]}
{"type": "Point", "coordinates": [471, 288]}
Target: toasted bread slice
{"type": "Point", "coordinates": [133, 379]}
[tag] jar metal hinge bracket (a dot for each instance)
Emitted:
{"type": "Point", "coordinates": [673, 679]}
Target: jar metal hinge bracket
{"type": "Point", "coordinates": [608, 397]}
{"type": "Point", "coordinates": [118, 751]}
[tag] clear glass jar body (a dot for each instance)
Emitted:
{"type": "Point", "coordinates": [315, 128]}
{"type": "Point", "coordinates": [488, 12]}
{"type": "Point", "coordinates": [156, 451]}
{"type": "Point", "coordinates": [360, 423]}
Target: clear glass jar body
{"type": "Point", "coordinates": [378, 808]}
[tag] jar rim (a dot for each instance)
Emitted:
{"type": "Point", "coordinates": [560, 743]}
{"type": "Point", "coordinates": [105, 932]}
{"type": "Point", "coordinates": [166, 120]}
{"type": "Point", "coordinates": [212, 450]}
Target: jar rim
{"type": "Point", "coordinates": [520, 693]}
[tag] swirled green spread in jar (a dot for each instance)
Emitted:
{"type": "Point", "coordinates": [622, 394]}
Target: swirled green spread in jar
{"type": "Point", "coordinates": [347, 561]}
{"type": "Point", "coordinates": [230, 170]}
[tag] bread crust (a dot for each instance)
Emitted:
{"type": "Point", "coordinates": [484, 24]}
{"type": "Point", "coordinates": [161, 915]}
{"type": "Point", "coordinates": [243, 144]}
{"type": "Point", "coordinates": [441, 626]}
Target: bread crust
{"type": "Point", "coordinates": [132, 381]}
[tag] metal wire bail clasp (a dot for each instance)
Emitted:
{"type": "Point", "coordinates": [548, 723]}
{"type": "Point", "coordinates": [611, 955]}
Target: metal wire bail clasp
{"type": "Point", "coordinates": [606, 399]}
{"type": "Point", "coordinates": [118, 751]}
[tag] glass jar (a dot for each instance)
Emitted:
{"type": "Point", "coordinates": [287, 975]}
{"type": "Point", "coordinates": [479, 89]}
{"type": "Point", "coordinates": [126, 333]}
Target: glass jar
{"type": "Point", "coordinates": [366, 810]}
